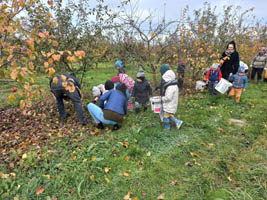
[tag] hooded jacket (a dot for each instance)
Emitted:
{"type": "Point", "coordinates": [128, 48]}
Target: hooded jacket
{"type": "Point", "coordinates": [231, 62]}
{"type": "Point", "coordinates": [170, 99]}
{"type": "Point", "coordinates": [240, 80]}
{"type": "Point", "coordinates": [141, 91]}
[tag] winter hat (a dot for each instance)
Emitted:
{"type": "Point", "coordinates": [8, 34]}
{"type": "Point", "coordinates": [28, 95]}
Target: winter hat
{"type": "Point", "coordinates": [140, 73]}
{"type": "Point", "coordinates": [215, 66]}
{"type": "Point", "coordinates": [241, 69]}
{"type": "Point", "coordinates": [233, 43]}
{"type": "Point", "coordinates": [164, 68]}
{"type": "Point", "coordinates": [109, 85]}
{"type": "Point", "coordinates": [115, 79]}
{"type": "Point", "coordinates": [263, 49]}
{"type": "Point", "coordinates": [119, 64]}
{"type": "Point", "coordinates": [96, 91]}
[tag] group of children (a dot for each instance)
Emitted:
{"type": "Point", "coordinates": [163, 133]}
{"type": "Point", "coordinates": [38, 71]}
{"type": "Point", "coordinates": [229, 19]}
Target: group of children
{"type": "Point", "coordinates": [239, 81]}
{"type": "Point", "coordinates": [139, 91]}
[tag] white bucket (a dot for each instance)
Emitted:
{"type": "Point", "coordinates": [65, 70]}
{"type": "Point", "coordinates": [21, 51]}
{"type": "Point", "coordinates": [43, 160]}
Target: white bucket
{"type": "Point", "coordinates": [155, 104]}
{"type": "Point", "coordinates": [223, 86]}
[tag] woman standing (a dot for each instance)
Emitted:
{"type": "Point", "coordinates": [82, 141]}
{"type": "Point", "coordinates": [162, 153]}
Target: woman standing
{"type": "Point", "coordinates": [229, 61]}
{"type": "Point", "coordinates": [258, 64]}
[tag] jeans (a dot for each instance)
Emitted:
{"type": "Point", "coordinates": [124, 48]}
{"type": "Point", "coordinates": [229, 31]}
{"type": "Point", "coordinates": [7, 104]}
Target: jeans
{"type": "Point", "coordinates": [212, 85]}
{"type": "Point", "coordinates": [59, 92]}
{"type": "Point", "coordinates": [98, 115]}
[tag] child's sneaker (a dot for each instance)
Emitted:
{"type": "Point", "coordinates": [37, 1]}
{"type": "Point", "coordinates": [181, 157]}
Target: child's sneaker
{"type": "Point", "coordinates": [179, 124]}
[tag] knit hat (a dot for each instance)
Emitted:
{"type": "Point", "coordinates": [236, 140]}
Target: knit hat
{"type": "Point", "coordinates": [241, 69]}
{"type": "Point", "coordinates": [164, 68]}
{"type": "Point", "coordinates": [263, 49]}
{"type": "Point", "coordinates": [140, 73]}
{"type": "Point", "coordinates": [215, 66]}
{"type": "Point", "coordinates": [115, 79]}
{"type": "Point", "coordinates": [96, 91]}
{"type": "Point", "coordinates": [119, 64]}
{"type": "Point", "coordinates": [109, 85]}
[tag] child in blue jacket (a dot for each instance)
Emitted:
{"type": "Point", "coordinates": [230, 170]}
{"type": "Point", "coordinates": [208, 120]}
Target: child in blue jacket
{"type": "Point", "coordinates": [240, 83]}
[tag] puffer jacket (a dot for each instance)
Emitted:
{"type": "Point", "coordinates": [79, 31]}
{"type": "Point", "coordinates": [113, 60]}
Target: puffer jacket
{"type": "Point", "coordinates": [170, 99]}
{"type": "Point", "coordinates": [115, 101]}
{"type": "Point", "coordinates": [259, 61]}
{"type": "Point", "coordinates": [240, 80]}
{"type": "Point", "coordinates": [141, 91]}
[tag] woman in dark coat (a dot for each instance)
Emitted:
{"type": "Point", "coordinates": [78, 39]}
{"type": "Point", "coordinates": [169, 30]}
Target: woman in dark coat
{"type": "Point", "coordinates": [229, 61]}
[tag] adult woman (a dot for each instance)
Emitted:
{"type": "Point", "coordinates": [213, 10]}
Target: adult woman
{"type": "Point", "coordinates": [113, 110]}
{"type": "Point", "coordinates": [229, 60]}
{"type": "Point", "coordinates": [258, 63]}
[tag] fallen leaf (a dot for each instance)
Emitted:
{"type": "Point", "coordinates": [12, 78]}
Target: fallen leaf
{"type": "Point", "coordinates": [189, 164]}
{"type": "Point", "coordinates": [107, 180]}
{"type": "Point", "coordinates": [127, 196]}
{"type": "Point", "coordinates": [47, 176]}
{"type": "Point", "coordinates": [24, 156]}
{"type": "Point", "coordinates": [162, 196]}
{"type": "Point", "coordinates": [39, 190]}
{"type": "Point", "coordinates": [93, 158]}
{"type": "Point", "coordinates": [107, 169]}
{"type": "Point", "coordinates": [175, 182]}
{"type": "Point", "coordinates": [126, 174]}
{"type": "Point", "coordinates": [92, 177]}
{"type": "Point", "coordinates": [72, 191]}
{"type": "Point", "coordinates": [193, 154]}
{"type": "Point", "coordinates": [229, 178]}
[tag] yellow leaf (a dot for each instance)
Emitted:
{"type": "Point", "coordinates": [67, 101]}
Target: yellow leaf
{"type": "Point", "coordinates": [22, 104]}
{"type": "Point", "coordinates": [11, 97]}
{"type": "Point", "coordinates": [47, 176]}
{"type": "Point", "coordinates": [63, 77]}
{"type": "Point", "coordinates": [55, 80]}
{"type": "Point", "coordinates": [107, 169]}
{"type": "Point", "coordinates": [24, 156]}
{"type": "Point", "coordinates": [93, 158]}
{"type": "Point", "coordinates": [51, 71]}
{"type": "Point", "coordinates": [39, 190]}
{"type": "Point", "coordinates": [135, 198]}
{"type": "Point", "coordinates": [50, 61]}
{"type": "Point", "coordinates": [161, 197]}
{"type": "Point", "coordinates": [107, 180]}
{"type": "Point", "coordinates": [56, 57]}
{"type": "Point", "coordinates": [126, 174]}
{"type": "Point", "coordinates": [14, 74]}
{"type": "Point", "coordinates": [92, 177]}
{"type": "Point", "coordinates": [55, 43]}
{"type": "Point", "coordinates": [46, 64]}
{"type": "Point", "coordinates": [127, 196]}
{"type": "Point", "coordinates": [193, 154]}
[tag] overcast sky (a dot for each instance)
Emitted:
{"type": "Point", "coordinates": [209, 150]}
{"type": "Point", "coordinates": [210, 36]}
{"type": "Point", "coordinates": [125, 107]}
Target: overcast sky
{"type": "Point", "coordinates": [173, 7]}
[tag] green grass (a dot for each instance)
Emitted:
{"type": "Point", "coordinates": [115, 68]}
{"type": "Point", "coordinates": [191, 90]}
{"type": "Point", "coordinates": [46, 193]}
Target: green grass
{"type": "Point", "coordinates": [228, 161]}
